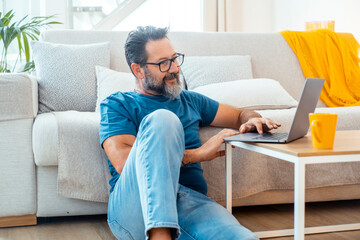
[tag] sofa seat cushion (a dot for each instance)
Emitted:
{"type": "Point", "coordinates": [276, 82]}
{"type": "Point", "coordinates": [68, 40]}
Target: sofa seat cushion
{"type": "Point", "coordinates": [71, 140]}
{"type": "Point", "coordinates": [46, 135]}
{"type": "Point", "coordinates": [45, 140]}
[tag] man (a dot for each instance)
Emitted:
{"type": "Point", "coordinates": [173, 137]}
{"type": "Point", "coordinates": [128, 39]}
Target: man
{"type": "Point", "coordinates": [151, 138]}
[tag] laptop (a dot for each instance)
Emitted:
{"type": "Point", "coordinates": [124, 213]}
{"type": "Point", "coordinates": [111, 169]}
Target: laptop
{"type": "Point", "coordinates": [300, 124]}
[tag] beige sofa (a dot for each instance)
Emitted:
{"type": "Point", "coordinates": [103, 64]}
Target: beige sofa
{"type": "Point", "coordinates": [31, 144]}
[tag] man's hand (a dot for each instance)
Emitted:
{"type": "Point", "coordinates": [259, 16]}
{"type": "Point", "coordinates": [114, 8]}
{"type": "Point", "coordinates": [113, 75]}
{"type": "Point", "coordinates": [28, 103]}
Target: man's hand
{"type": "Point", "coordinates": [259, 124]}
{"type": "Point", "coordinates": [209, 150]}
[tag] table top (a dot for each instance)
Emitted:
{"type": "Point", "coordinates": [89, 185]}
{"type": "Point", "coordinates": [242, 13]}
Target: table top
{"type": "Point", "coordinates": [346, 142]}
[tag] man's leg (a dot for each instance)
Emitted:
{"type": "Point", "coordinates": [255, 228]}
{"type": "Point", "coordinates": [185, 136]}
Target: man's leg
{"type": "Point", "coordinates": [200, 217]}
{"type": "Point", "coordinates": [145, 195]}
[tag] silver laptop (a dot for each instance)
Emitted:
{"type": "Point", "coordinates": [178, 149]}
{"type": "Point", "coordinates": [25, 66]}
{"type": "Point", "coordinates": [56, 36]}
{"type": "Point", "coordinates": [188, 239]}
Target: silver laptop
{"type": "Point", "coordinates": [300, 124]}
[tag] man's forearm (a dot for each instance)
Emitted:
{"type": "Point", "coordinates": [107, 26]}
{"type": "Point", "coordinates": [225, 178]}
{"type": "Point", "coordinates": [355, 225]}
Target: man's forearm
{"type": "Point", "coordinates": [209, 150]}
{"type": "Point", "coordinates": [190, 156]}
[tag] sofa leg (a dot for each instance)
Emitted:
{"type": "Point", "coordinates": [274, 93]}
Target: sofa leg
{"type": "Point", "coordinates": [14, 221]}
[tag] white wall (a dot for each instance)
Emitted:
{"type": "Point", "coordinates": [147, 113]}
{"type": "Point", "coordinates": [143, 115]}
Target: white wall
{"type": "Point", "coordinates": [20, 12]}
{"type": "Point", "coordinates": [257, 15]}
{"type": "Point", "coordinates": [35, 8]}
{"type": "Point", "coordinates": [292, 14]}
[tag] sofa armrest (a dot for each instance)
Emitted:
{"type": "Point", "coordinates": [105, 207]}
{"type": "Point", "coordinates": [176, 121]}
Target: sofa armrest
{"type": "Point", "coordinates": [18, 96]}
{"type": "Point", "coordinates": [18, 107]}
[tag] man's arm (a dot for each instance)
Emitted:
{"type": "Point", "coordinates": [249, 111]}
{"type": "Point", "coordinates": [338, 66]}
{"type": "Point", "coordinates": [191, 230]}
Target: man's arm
{"type": "Point", "coordinates": [243, 119]}
{"type": "Point", "coordinates": [117, 148]}
{"type": "Point", "coordinates": [228, 117]}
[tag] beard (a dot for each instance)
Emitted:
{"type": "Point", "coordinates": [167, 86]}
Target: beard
{"type": "Point", "coordinates": [172, 91]}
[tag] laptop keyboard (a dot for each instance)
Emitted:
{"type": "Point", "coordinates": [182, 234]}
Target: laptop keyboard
{"type": "Point", "coordinates": [272, 136]}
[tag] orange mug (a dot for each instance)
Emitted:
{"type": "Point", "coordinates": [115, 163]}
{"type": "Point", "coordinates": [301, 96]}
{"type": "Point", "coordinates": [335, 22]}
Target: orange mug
{"type": "Point", "coordinates": [323, 128]}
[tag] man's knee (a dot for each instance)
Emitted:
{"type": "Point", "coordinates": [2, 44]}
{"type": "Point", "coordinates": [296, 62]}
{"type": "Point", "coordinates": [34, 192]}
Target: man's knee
{"type": "Point", "coordinates": [163, 119]}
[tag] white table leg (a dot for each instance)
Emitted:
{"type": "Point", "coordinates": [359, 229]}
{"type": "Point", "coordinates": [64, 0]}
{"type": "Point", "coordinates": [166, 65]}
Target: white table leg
{"type": "Point", "coordinates": [299, 201]}
{"type": "Point", "coordinates": [228, 177]}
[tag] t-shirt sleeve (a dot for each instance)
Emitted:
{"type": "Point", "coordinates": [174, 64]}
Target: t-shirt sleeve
{"type": "Point", "coordinates": [207, 108]}
{"type": "Point", "coordinates": [115, 118]}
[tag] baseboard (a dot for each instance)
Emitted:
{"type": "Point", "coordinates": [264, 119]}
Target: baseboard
{"type": "Point", "coordinates": [13, 221]}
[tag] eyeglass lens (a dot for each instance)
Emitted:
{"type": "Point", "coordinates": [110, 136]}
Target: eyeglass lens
{"type": "Point", "coordinates": [166, 65]}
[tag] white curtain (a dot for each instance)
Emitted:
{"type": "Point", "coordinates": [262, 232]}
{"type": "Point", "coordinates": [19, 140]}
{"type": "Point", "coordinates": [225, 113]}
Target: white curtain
{"type": "Point", "coordinates": [222, 15]}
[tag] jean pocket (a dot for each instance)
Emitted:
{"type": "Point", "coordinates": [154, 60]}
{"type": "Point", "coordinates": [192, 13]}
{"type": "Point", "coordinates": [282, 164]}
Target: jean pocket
{"type": "Point", "coordinates": [119, 232]}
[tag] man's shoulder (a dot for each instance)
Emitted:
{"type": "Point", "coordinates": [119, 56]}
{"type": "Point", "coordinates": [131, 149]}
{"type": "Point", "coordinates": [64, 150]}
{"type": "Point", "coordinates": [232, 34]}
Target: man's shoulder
{"type": "Point", "coordinates": [118, 99]}
{"type": "Point", "coordinates": [188, 94]}
{"type": "Point", "coordinates": [120, 96]}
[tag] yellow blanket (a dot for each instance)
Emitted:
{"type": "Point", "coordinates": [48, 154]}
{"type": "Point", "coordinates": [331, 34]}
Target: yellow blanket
{"type": "Point", "coordinates": [332, 56]}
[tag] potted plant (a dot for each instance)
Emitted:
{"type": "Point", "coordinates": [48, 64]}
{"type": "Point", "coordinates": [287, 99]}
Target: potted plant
{"type": "Point", "coordinates": [23, 32]}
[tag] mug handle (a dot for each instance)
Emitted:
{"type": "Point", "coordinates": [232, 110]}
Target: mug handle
{"type": "Point", "coordinates": [315, 126]}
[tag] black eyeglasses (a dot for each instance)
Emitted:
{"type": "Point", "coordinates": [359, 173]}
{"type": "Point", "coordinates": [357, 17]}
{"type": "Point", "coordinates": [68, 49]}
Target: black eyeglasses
{"type": "Point", "coordinates": [165, 65]}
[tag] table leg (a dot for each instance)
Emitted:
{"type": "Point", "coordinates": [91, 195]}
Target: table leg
{"type": "Point", "coordinates": [228, 177]}
{"type": "Point", "coordinates": [299, 201]}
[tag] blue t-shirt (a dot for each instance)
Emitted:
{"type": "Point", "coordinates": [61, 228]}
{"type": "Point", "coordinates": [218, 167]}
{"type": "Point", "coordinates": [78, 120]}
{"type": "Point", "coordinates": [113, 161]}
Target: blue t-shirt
{"type": "Point", "coordinates": [122, 113]}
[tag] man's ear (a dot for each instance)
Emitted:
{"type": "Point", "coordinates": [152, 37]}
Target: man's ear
{"type": "Point", "coordinates": [137, 70]}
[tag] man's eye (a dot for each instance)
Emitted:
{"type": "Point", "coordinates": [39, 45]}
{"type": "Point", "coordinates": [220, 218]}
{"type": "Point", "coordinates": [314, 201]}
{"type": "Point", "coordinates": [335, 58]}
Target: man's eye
{"type": "Point", "coordinates": [165, 63]}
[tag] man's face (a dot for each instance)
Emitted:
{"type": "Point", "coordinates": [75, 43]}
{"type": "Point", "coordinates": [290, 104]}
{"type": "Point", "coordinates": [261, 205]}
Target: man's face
{"type": "Point", "coordinates": [163, 83]}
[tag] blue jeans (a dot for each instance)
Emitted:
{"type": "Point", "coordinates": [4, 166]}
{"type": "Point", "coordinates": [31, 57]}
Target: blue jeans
{"type": "Point", "coordinates": [148, 194]}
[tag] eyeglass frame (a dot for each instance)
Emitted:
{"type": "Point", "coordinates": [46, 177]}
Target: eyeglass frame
{"type": "Point", "coordinates": [171, 61]}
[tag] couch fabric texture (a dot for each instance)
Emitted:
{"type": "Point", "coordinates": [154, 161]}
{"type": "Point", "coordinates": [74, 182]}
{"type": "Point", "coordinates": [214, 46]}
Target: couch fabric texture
{"type": "Point", "coordinates": [65, 72]}
{"type": "Point", "coordinates": [203, 70]}
{"type": "Point", "coordinates": [249, 94]}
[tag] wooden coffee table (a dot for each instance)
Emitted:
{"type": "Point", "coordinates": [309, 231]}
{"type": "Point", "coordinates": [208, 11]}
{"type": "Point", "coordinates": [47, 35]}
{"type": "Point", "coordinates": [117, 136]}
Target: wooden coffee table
{"type": "Point", "coordinates": [300, 153]}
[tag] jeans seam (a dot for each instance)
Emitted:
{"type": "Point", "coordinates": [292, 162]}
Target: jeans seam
{"type": "Point", "coordinates": [147, 190]}
{"type": "Point", "coordinates": [146, 164]}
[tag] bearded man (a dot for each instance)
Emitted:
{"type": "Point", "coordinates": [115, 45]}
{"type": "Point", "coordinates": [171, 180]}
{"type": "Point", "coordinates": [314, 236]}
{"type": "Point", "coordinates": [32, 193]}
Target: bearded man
{"type": "Point", "coordinates": [151, 138]}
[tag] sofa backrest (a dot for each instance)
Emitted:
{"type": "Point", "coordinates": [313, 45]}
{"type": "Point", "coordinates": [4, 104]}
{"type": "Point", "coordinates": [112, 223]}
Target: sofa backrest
{"type": "Point", "coordinates": [271, 56]}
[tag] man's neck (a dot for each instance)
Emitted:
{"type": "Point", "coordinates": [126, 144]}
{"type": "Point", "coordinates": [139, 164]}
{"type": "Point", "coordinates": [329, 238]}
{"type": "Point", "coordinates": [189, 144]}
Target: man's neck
{"type": "Point", "coordinates": [142, 90]}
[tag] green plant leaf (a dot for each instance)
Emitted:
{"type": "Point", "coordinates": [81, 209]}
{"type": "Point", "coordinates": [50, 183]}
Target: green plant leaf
{"type": "Point", "coordinates": [29, 66]}
{"type": "Point", "coordinates": [26, 47]}
{"type": "Point", "coordinates": [20, 45]}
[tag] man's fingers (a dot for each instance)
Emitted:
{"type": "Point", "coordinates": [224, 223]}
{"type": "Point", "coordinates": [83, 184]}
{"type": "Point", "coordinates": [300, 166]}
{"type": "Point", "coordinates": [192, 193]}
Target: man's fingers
{"type": "Point", "coordinates": [242, 128]}
{"type": "Point", "coordinates": [227, 133]}
{"type": "Point", "coordinates": [259, 127]}
{"type": "Point", "coordinates": [260, 124]}
{"type": "Point", "coordinates": [246, 127]}
{"type": "Point", "coordinates": [271, 124]}
{"type": "Point", "coordinates": [220, 153]}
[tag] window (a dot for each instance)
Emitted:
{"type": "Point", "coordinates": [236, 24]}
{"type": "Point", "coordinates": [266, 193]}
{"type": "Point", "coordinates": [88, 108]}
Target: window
{"type": "Point", "coordinates": [179, 15]}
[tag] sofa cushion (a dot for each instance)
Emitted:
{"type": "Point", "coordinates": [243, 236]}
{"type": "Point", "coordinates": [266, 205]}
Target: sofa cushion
{"type": "Point", "coordinates": [66, 74]}
{"type": "Point", "coordinates": [47, 133]}
{"type": "Point", "coordinates": [73, 137]}
{"type": "Point", "coordinates": [203, 70]}
{"type": "Point", "coordinates": [110, 81]}
{"type": "Point", "coordinates": [258, 94]}
{"type": "Point", "coordinates": [45, 140]}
